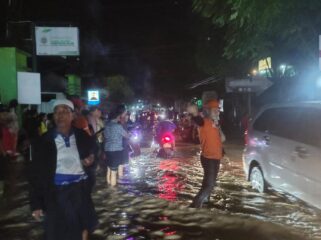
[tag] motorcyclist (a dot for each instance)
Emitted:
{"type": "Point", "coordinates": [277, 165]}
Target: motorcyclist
{"type": "Point", "coordinates": [165, 127]}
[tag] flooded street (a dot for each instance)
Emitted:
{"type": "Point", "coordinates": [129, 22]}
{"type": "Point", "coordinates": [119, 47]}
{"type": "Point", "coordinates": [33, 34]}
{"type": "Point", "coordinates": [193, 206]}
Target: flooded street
{"type": "Point", "coordinates": [151, 202]}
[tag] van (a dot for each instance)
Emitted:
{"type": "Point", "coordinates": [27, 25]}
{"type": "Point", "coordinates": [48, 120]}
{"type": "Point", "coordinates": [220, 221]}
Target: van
{"type": "Point", "coordinates": [283, 150]}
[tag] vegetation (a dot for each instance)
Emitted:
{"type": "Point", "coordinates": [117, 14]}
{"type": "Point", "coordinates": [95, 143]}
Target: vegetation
{"type": "Point", "coordinates": [286, 30]}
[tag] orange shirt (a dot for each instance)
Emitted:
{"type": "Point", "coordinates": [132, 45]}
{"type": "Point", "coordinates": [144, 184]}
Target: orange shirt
{"type": "Point", "coordinates": [210, 139]}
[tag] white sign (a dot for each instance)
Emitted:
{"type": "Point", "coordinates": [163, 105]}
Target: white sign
{"type": "Point", "coordinates": [93, 97]}
{"type": "Point", "coordinates": [29, 88]}
{"type": "Point", "coordinates": [256, 85]}
{"type": "Point", "coordinates": [57, 41]}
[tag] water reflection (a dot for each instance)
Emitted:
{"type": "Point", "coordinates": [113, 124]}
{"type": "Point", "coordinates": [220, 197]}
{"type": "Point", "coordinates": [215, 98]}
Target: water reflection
{"type": "Point", "coordinates": [169, 185]}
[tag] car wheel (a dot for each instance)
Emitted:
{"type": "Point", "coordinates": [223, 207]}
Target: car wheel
{"type": "Point", "coordinates": [257, 180]}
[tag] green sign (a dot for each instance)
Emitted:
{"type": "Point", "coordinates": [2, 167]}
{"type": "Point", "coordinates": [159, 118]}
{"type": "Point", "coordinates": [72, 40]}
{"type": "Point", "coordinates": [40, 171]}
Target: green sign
{"type": "Point", "coordinates": [199, 103]}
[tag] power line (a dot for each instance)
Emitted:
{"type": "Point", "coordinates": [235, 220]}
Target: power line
{"type": "Point", "coordinates": [209, 80]}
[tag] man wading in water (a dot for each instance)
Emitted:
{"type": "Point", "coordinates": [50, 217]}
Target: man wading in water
{"type": "Point", "coordinates": [211, 147]}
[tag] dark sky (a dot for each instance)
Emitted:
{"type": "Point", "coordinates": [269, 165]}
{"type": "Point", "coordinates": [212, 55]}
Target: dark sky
{"type": "Point", "coordinates": [152, 42]}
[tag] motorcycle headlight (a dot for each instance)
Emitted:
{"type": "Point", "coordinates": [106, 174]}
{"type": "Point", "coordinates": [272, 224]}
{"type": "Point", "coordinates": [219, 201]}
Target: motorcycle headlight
{"type": "Point", "coordinates": [135, 138]}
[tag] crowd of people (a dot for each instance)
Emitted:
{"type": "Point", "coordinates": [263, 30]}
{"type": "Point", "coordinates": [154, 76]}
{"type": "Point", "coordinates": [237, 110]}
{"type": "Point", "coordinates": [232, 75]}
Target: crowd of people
{"type": "Point", "coordinates": [67, 146]}
{"type": "Point", "coordinates": [9, 129]}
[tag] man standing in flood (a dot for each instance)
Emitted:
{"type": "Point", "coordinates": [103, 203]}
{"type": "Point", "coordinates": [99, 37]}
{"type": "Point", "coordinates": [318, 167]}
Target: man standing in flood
{"type": "Point", "coordinates": [211, 147]}
{"type": "Point", "coordinates": [59, 185]}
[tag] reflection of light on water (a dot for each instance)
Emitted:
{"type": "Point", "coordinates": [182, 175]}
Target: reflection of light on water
{"type": "Point", "coordinates": [124, 214]}
{"type": "Point", "coordinates": [163, 218]}
{"type": "Point", "coordinates": [255, 142]}
{"type": "Point", "coordinates": [135, 172]}
{"type": "Point", "coordinates": [168, 184]}
{"type": "Point", "coordinates": [167, 188]}
{"type": "Point", "coordinates": [170, 165]}
{"type": "Point", "coordinates": [168, 233]}
{"type": "Point", "coordinates": [167, 230]}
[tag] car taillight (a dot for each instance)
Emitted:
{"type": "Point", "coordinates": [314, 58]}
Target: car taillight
{"type": "Point", "coordinates": [246, 137]}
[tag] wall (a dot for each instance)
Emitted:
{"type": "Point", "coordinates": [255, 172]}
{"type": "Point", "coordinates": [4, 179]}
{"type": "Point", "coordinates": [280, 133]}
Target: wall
{"type": "Point", "coordinates": [12, 61]}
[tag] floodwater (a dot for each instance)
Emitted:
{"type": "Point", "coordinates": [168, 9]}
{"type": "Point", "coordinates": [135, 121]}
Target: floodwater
{"type": "Point", "coordinates": [151, 202]}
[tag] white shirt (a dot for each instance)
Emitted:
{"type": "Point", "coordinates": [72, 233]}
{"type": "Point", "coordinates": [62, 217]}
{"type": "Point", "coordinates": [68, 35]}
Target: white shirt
{"type": "Point", "coordinates": [68, 160]}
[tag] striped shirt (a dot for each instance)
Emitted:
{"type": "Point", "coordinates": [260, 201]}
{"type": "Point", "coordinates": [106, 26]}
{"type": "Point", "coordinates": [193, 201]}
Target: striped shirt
{"type": "Point", "coordinates": [114, 133]}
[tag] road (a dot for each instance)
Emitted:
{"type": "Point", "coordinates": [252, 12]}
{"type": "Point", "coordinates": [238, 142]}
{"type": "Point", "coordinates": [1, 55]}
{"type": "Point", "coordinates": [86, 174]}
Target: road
{"type": "Point", "coordinates": [151, 202]}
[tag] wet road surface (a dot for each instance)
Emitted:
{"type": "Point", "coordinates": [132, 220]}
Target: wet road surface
{"type": "Point", "coordinates": [151, 202]}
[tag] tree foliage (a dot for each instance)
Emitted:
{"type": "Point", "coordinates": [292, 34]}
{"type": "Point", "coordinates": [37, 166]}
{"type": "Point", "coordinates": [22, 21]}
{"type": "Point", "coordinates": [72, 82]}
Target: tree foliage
{"type": "Point", "coordinates": [210, 51]}
{"type": "Point", "coordinates": [286, 30]}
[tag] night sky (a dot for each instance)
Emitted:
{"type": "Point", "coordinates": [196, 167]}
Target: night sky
{"type": "Point", "coordinates": [151, 42]}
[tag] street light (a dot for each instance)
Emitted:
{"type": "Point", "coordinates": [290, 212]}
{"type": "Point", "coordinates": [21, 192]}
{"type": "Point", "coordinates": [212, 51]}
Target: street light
{"type": "Point", "coordinates": [283, 68]}
{"type": "Point", "coordinates": [254, 72]}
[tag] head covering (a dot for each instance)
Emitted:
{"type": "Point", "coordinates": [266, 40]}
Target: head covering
{"type": "Point", "coordinates": [63, 102]}
{"type": "Point", "coordinates": [212, 104]}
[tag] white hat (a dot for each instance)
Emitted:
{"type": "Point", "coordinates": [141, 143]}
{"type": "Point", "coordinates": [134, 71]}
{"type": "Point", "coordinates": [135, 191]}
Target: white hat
{"type": "Point", "coordinates": [63, 102]}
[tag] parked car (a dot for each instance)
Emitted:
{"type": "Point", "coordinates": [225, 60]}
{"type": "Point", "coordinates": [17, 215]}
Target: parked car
{"type": "Point", "coordinates": [284, 150]}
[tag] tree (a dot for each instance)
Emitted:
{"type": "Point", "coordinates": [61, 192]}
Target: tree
{"type": "Point", "coordinates": [210, 51]}
{"type": "Point", "coordinates": [285, 30]}
{"type": "Point", "coordinates": [119, 89]}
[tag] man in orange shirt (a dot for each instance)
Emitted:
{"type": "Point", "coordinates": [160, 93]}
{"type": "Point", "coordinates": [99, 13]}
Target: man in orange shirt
{"type": "Point", "coordinates": [211, 146]}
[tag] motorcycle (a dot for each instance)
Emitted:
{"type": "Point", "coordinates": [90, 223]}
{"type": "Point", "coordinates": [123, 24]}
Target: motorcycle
{"type": "Point", "coordinates": [135, 141]}
{"type": "Point", "coordinates": [167, 146]}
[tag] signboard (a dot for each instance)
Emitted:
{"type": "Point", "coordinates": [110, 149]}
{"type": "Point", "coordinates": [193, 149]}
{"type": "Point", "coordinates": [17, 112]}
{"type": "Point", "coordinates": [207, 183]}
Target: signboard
{"type": "Point", "coordinates": [29, 88]}
{"type": "Point", "coordinates": [255, 85]}
{"type": "Point", "coordinates": [199, 103]}
{"type": "Point", "coordinates": [57, 41]}
{"type": "Point", "coordinates": [265, 64]}
{"type": "Point", "coordinates": [93, 97]}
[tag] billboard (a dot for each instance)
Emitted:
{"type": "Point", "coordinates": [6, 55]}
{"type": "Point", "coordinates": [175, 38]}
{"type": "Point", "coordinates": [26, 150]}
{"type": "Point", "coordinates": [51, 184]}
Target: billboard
{"type": "Point", "coordinates": [265, 64]}
{"type": "Point", "coordinates": [93, 97]}
{"type": "Point", "coordinates": [29, 88]}
{"type": "Point", "coordinates": [57, 41]}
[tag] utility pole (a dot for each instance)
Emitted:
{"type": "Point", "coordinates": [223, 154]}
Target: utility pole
{"type": "Point", "coordinates": [249, 103]}
{"type": "Point", "coordinates": [34, 50]}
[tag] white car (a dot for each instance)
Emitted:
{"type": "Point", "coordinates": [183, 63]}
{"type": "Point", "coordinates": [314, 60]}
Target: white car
{"type": "Point", "coordinates": [284, 150]}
